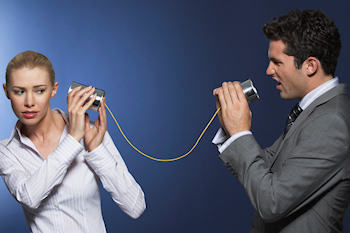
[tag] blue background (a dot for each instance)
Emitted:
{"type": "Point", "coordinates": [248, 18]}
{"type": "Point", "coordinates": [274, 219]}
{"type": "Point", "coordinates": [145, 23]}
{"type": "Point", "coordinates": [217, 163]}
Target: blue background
{"type": "Point", "coordinates": [158, 62]}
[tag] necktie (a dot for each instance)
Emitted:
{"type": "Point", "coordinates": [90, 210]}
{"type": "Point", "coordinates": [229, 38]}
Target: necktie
{"type": "Point", "coordinates": [291, 118]}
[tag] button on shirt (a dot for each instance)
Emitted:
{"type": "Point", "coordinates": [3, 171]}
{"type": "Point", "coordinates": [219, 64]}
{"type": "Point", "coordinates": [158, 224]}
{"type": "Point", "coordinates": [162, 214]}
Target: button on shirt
{"type": "Point", "coordinates": [222, 141]}
{"type": "Point", "coordinates": [61, 193]}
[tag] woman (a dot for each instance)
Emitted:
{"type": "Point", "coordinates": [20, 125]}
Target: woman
{"type": "Point", "coordinates": [53, 162]}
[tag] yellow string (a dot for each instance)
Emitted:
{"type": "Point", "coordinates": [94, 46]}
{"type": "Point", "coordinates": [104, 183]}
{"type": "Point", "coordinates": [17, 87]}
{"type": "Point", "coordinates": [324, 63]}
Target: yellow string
{"type": "Point", "coordinates": [163, 160]}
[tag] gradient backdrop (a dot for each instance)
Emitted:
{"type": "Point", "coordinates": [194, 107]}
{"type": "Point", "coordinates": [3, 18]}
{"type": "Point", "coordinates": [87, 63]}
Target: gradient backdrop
{"type": "Point", "coordinates": [158, 62]}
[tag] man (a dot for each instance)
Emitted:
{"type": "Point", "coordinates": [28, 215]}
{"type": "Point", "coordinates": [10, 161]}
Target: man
{"type": "Point", "coordinates": [302, 182]}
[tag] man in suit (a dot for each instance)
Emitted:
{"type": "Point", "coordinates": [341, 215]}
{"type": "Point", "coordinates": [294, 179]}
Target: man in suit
{"type": "Point", "coordinates": [302, 182]}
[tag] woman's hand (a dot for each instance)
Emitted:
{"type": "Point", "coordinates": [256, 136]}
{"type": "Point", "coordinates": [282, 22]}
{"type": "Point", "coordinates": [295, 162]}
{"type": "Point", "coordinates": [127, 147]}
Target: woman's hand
{"type": "Point", "coordinates": [94, 136]}
{"type": "Point", "coordinates": [77, 106]}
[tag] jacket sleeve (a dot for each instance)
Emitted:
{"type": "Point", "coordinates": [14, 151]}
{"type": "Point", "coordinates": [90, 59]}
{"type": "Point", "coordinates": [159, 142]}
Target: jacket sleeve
{"type": "Point", "coordinates": [313, 162]}
{"type": "Point", "coordinates": [109, 166]}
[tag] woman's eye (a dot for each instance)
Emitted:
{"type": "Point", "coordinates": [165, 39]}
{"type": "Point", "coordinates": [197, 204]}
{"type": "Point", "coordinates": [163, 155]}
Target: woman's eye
{"type": "Point", "coordinates": [18, 92]}
{"type": "Point", "coordinates": [40, 91]}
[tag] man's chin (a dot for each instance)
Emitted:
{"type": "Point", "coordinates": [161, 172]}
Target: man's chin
{"type": "Point", "coordinates": [284, 96]}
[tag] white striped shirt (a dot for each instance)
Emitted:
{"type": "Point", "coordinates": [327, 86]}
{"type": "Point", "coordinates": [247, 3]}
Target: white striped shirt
{"type": "Point", "coordinates": [62, 193]}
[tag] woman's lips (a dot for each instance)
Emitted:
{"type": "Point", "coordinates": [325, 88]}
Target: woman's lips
{"type": "Point", "coordinates": [29, 114]}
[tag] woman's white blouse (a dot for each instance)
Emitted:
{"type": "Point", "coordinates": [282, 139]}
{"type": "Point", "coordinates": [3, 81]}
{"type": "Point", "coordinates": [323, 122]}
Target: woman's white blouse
{"type": "Point", "coordinates": [62, 193]}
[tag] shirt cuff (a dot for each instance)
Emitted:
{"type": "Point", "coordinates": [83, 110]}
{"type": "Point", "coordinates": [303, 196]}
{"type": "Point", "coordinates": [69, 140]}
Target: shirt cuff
{"type": "Point", "coordinates": [220, 137]}
{"type": "Point", "coordinates": [68, 149]}
{"type": "Point", "coordinates": [100, 158]}
{"type": "Point", "coordinates": [222, 140]}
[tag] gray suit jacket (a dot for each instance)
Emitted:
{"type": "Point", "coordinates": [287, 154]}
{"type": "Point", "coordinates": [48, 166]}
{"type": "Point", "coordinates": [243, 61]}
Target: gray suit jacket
{"type": "Point", "coordinates": [302, 182]}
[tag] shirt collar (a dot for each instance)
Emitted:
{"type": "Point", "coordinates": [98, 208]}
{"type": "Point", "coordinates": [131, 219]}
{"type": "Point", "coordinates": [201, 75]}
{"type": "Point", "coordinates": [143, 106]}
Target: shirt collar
{"type": "Point", "coordinates": [317, 92]}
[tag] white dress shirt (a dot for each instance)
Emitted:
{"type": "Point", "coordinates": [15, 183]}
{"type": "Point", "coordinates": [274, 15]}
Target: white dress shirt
{"type": "Point", "coordinates": [222, 141]}
{"type": "Point", "coordinates": [62, 193]}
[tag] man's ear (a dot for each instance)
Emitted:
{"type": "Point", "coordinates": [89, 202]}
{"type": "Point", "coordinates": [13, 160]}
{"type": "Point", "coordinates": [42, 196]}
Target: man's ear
{"type": "Point", "coordinates": [5, 90]}
{"type": "Point", "coordinates": [54, 90]}
{"type": "Point", "coordinates": [312, 65]}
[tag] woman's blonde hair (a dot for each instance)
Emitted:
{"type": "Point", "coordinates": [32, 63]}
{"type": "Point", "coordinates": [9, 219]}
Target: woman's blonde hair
{"type": "Point", "coordinates": [30, 60]}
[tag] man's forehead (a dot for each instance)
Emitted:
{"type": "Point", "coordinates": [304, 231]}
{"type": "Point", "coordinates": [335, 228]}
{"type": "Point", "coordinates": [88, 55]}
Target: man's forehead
{"type": "Point", "coordinates": [277, 45]}
{"type": "Point", "coordinates": [277, 50]}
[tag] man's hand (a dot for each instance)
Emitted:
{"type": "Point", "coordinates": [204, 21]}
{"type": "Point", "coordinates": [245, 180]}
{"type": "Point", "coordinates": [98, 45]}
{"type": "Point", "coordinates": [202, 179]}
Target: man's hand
{"type": "Point", "coordinates": [235, 115]}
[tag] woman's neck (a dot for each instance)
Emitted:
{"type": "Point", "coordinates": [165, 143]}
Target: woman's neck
{"type": "Point", "coordinates": [50, 124]}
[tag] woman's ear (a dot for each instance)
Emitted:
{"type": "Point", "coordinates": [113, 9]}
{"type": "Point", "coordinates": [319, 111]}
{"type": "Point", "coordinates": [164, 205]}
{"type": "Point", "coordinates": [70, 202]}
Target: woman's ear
{"type": "Point", "coordinates": [5, 90]}
{"type": "Point", "coordinates": [54, 90]}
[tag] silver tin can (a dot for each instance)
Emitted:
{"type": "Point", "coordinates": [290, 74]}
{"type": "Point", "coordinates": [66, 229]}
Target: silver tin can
{"type": "Point", "coordinates": [249, 90]}
{"type": "Point", "coordinates": [100, 94]}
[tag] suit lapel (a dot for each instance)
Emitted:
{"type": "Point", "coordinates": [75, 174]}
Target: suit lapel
{"type": "Point", "coordinates": [338, 90]}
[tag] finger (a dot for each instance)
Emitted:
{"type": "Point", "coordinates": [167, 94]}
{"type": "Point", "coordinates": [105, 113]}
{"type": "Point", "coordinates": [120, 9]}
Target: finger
{"type": "Point", "coordinates": [217, 102]}
{"type": "Point", "coordinates": [217, 107]}
{"type": "Point", "coordinates": [97, 123]}
{"type": "Point", "coordinates": [103, 101]}
{"type": "Point", "coordinates": [83, 98]}
{"type": "Point", "coordinates": [87, 121]}
{"type": "Point", "coordinates": [227, 93]}
{"type": "Point", "coordinates": [216, 91]}
{"type": "Point", "coordinates": [233, 92]}
{"type": "Point", "coordinates": [79, 97]}
{"type": "Point", "coordinates": [78, 93]}
{"type": "Point", "coordinates": [72, 93]}
{"type": "Point", "coordinates": [221, 99]}
{"type": "Point", "coordinates": [240, 93]}
{"type": "Point", "coordinates": [101, 122]}
{"type": "Point", "coordinates": [87, 104]}
{"type": "Point", "coordinates": [103, 113]}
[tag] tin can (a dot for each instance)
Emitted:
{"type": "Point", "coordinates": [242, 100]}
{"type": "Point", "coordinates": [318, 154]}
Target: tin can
{"type": "Point", "coordinates": [100, 94]}
{"type": "Point", "coordinates": [250, 91]}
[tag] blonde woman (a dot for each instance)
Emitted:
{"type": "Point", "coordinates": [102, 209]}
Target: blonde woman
{"type": "Point", "coordinates": [53, 162]}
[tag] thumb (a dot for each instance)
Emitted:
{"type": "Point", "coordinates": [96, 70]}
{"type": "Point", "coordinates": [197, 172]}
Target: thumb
{"type": "Point", "coordinates": [87, 121]}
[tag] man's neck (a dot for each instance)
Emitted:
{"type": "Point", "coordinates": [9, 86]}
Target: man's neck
{"type": "Point", "coordinates": [318, 81]}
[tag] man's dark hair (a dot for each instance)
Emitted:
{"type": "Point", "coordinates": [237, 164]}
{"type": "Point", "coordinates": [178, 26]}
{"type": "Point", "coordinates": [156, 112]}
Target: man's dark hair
{"type": "Point", "coordinates": [309, 33]}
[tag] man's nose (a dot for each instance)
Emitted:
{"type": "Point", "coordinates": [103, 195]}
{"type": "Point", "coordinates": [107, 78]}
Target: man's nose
{"type": "Point", "coordinates": [270, 69]}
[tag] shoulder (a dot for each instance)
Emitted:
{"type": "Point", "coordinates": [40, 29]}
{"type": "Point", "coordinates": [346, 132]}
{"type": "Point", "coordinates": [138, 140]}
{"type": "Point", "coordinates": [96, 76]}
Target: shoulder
{"type": "Point", "coordinates": [327, 121]}
{"type": "Point", "coordinates": [3, 143]}
{"type": "Point", "coordinates": [6, 147]}
{"type": "Point", "coordinates": [334, 103]}
{"type": "Point", "coordinates": [61, 112]}
{"type": "Point", "coordinates": [338, 106]}
{"type": "Point", "coordinates": [334, 111]}
{"type": "Point", "coordinates": [13, 136]}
